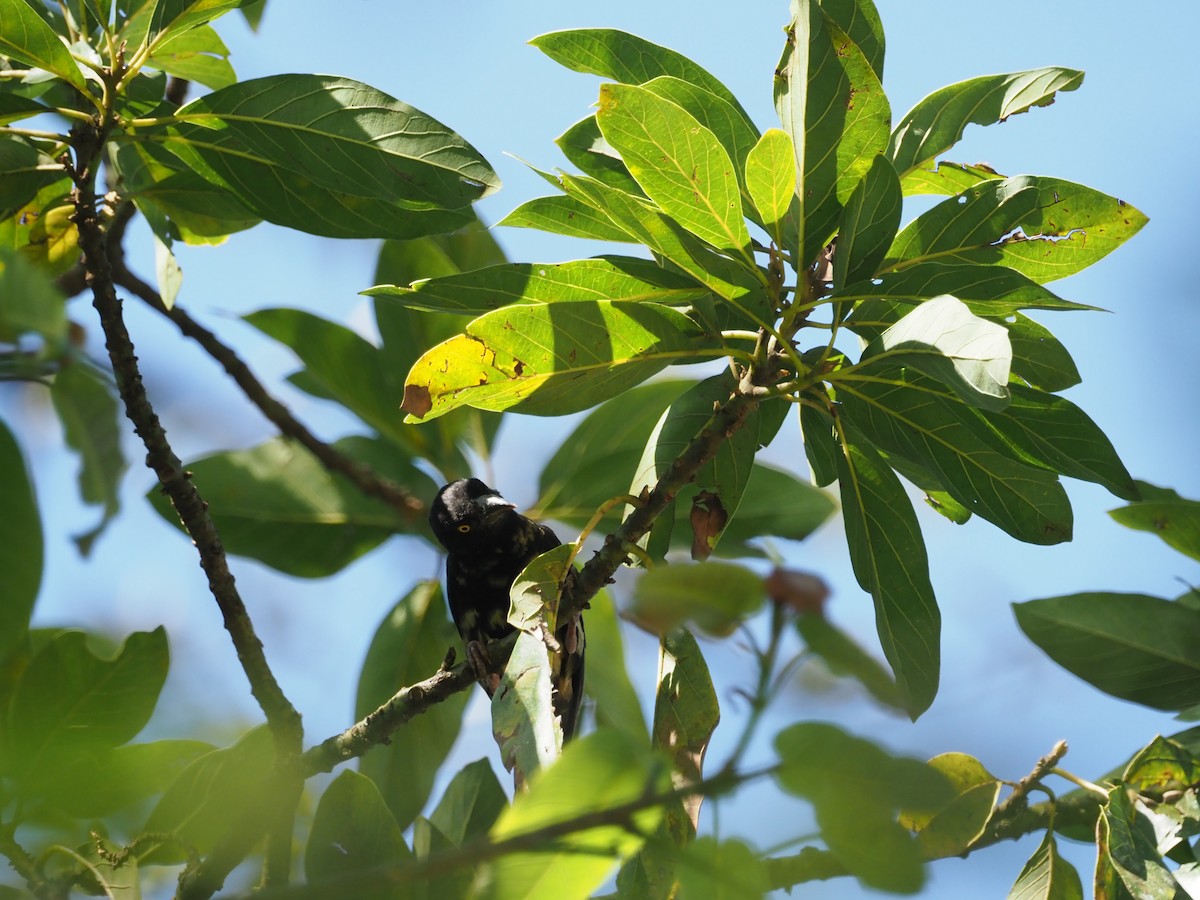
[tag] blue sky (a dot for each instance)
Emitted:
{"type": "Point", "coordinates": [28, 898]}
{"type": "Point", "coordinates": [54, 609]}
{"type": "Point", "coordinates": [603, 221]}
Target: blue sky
{"type": "Point", "coordinates": [1131, 130]}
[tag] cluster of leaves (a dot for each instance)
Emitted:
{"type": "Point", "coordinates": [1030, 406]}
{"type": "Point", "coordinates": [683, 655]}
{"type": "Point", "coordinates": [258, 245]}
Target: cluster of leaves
{"type": "Point", "coordinates": [765, 249]}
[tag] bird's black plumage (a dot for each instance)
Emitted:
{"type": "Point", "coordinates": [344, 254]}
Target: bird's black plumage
{"type": "Point", "coordinates": [487, 544]}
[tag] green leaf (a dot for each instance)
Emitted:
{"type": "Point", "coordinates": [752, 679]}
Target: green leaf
{"type": "Point", "coordinates": [845, 657]}
{"type": "Point", "coordinates": [225, 795]}
{"type": "Point", "coordinates": [855, 788]}
{"type": "Point", "coordinates": [596, 462]}
{"type": "Point", "coordinates": [100, 782]}
{"type": "Point", "coordinates": [348, 367]}
{"type": "Point", "coordinates": [1126, 853]}
{"type": "Point", "coordinates": [942, 338]}
{"type": "Point", "coordinates": [30, 304]}
{"type": "Point", "coordinates": [1047, 876]}
{"type": "Point", "coordinates": [171, 18]}
{"type": "Point", "coordinates": [900, 418]}
{"type": "Point", "coordinates": [678, 162]}
{"type": "Point", "coordinates": [566, 215]}
{"type": "Point", "coordinates": [198, 55]}
{"type": "Point", "coordinates": [1046, 228]}
{"type": "Point", "coordinates": [831, 102]}
{"type": "Point", "coordinates": [937, 123]}
{"type": "Point", "coordinates": [716, 596]}
{"type": "Point", "coordinates": [686, 714]}
{"type": "Point", "coordinates": [177, 202]}
{"type": "Point", "coordinates": [660, 233]}
{"type": "Point", "coordinates": [607, 684]}
{"type": "Point", "coordinates": [888, 555]}
{"type": "Point", "coordinates": [1163, 512]}
{"type": "Point", "coordinates": [276, 503]}
{"type": "Point", "coordinates": [331, 156]}
{"type": "Point", "coordinates": [1160, 766]}
{"type": "Point", "coordinates": [585, 146]}
{"type": "Point", "coordinates": [471, 804]}
{"type": "Point", "coordinates": [69, 701]}
{"type": "Point", "coordinates": [987, 290]}
{"type": "Point", "coordinates": [869, 224]}
{"type": "Point", "coordinates": [600, 771]}
{"type": "Point", "coordinates": [87, 407]}
{"type": "Point", "coordinates": [625, 58]}
{"type": "Point", "coordinates": [1053, 433]}
{"type": "Point", "coordinates": [952, 828]}
{"type": "Point", "coordinates": [408, 646]}
{"type": "Point", "coordinates": [820, 443]}
{"type": "Point", "coordinates": [407, 333]}
{"type": "Point", "coordinates": [21, 545]}
{"type": "Point", "coordinates": [859, 19]}
{"type": "Point", "coordinates": [26, 171]}
{"type": "Point", "coordinates": [352, 831]}
{"type": "Point", "coordinates": [527, 732]}
{"type": "Point", "coordinates": [1039, 358]}
{"type": "Point", "coordinates": [1138, 648]}
{"type": "Point", "coordinates": [552, 358]}
{"type": "Point", "coordinates": [14, 107]}
{"type": "Point", "coordinates": [342, 135]}
{"type": "Point", "coordinates": [600, 278]}
{"type": "Point", "coordinates": [771, 181]}
{"type": "Point", "coordinates": [26, 37]}
{"type": "Point", "coordinates": [945, 178]}
{"type": "Point", "coordinates": [721, 870]}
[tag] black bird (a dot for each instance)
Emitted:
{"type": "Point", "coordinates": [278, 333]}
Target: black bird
{"type": "Point", "coordinates": [488, 543]}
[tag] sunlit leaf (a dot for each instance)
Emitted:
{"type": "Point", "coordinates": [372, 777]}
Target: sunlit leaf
{"type": "Point", "coordinates": [552, 358]}
{"type": "Point", "coordinates": [566, 215]}
{"type": "Point", "coordinates": [771, 180]}
{"type": "Point", "coordinates": [1045, 228]}
{"type": "Point", "coordinates": [937, 122]}
{"type": "Point", "coordinates": [596, 772]}
{"type": "Point", "coordinates": [855, 788]}
{"type": "Point", "coordinates": [600, 278]}
{"type": "Point", "coordinates": [831, 102]}
{"type": "Point", "coordinates": [1047, 876]}
{"type": "Point", "coordinates": [352, 830]}
{"type": "Point", "coordinates": [625, 58]}
{"type": "Point", "coordinates": [70, 700]}
{"type": "Point", "coordinates": [27, 37]}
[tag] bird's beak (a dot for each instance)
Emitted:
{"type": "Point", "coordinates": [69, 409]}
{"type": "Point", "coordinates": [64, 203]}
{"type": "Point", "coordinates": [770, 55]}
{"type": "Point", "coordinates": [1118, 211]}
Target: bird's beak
{"type": "Point", "coordinates": [492, 505]}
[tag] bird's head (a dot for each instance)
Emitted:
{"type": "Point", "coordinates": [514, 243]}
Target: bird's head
{"type": "Point", "coordinates": [465, 512]}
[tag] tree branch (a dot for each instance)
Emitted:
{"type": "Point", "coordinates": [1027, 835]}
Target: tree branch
{"type": "Point", "coordinates": [377, 726]}
{"type": "Point", "coordinates": [282, 717]}
{"type": "Point", "coordinates": [725, 420]}
{"type": "Point", "coordinates": [366, 479]}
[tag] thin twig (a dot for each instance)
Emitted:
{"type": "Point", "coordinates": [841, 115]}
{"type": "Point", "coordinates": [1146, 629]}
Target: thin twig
{"type": "Point", "coordinates": [726, 420]}
{"type": "Point", "coordinates": [363, 476]}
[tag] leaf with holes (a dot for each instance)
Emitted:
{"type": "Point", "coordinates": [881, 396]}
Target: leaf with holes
{"type": "Point", "coordinates": [1046, 228]}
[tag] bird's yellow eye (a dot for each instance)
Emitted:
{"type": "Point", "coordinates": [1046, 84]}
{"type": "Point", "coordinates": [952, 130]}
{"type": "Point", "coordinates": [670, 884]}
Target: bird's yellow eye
{"type": "Point", "coordinates": [464, 528]}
